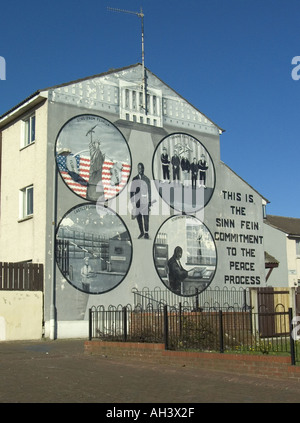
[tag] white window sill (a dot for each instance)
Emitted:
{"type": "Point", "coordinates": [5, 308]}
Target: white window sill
{"type": "Point", "coordinates": [23, 219]}
{"type": "Point", "coordinates": [26, 146]}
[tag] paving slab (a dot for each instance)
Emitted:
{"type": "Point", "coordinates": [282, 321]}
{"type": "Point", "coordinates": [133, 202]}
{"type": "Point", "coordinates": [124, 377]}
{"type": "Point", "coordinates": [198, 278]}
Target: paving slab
{"type": "Point", "coordinates": [60, 371]}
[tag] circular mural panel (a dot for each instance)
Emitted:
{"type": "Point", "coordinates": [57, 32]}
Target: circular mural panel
{"type": "Point", "coordinates": [93, 157]}
{"type": "Point", "coordinates": [185, 255]}
{"type": "Point", "coordinates": [93, 248]}
{"type": "Point", "coordinates": [183, 172]}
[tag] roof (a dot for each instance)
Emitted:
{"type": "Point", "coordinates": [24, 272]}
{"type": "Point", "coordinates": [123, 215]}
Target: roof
{"type": "Point", "coordinates": [19, 104]}
{"type": "Point", "coordinates": [37, 92]}
{"type": "Point", "coordinates": [270, 261]}
{"type": "Point", "coordinates": [111, 71]}
{"type": "Point", "coordinates": [289, 225]}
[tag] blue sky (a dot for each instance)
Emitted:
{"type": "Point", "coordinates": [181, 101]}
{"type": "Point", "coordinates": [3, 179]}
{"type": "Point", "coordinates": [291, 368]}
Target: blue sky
{"type": "Point", "coordinates": [232, 59]}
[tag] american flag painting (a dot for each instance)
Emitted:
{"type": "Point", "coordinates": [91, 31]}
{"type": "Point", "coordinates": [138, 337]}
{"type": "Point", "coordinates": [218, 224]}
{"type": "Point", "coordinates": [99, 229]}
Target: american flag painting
{"type": "Point", "coordinates": [83, 165]}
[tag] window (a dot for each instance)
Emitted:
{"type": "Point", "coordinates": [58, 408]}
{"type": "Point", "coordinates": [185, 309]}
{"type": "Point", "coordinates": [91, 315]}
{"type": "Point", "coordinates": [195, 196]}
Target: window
{"type": "Point", "coordinates": [298, 248]}
{"type": "Point", "coordinates": [200, 248]}
{"type": "Point", "coordinates": [141, 101]}
{"type": "Point", "coordinates": [28, 135]}
{"type": "Point", "coordinates": [134, 100]}
{"type": "Point", "coordinates": [154, 100]}
{"type": "Point", "coordinates": [127, 99]}
{"type": "Point", "coordinates": [26, 202]}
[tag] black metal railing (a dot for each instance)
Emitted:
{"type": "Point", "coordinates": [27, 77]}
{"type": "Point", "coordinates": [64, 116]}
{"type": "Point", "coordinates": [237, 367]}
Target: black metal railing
{"type": "Point", "coordinates": [184, 328]}
{"type": "Point", "coordinates": [127, 323]}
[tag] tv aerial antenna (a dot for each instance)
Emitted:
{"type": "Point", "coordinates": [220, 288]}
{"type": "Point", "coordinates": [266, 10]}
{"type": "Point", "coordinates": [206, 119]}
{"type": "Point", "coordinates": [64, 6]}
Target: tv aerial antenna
{"type": "Point", "coordinates": [141, 16]}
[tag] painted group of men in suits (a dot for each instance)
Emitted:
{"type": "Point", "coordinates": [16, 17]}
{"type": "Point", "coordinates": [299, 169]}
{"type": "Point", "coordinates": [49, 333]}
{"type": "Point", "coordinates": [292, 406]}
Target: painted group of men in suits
{"type": "Point", "coordinates": [192, 173]}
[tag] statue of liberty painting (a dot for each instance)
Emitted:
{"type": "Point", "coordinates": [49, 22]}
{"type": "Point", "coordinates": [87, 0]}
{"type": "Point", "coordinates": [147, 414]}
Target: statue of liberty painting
{"type": "Point", "coordinates": [95, 188]}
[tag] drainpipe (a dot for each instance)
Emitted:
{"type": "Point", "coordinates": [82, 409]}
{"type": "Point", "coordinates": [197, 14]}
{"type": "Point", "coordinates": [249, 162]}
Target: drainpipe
{"type": "Point", "coordinates": [53, 322]}
{"type": "Point", "coordinates": [53, 273]}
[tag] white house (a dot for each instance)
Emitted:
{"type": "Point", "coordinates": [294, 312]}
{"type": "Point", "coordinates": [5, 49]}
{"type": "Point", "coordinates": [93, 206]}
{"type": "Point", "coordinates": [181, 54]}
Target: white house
{"type": "Point", "coordinates": [70, 199]}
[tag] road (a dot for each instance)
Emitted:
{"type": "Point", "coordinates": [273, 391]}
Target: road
{"type": "Point", "coordinates": [60, 372]}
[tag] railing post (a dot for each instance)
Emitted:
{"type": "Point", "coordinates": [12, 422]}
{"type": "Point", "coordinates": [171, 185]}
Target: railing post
{"type": "Point", "coordinates": [166, 327]}
{"type": "Point", "coordinates": [292, 341]}
{"type": "Point", "coordinates": [245, 299]}
{"type": "Point", "coordinates": [221, 338]}
{"type": "Point", "coordinates": [90, 325]}
{"type": "Point", "coordinates": [180, 320]}
{"type": "Point", "coordinates": [197, 299]}
{"type": "Point", "coordinates": [125, 324]}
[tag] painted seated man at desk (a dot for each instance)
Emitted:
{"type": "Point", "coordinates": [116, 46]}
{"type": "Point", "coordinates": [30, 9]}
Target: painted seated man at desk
{"type": "Point", "coordinates": [177, 273]}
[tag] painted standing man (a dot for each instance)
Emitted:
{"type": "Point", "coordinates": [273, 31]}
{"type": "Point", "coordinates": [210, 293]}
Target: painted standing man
{"type": "Point", "coordinates": [185, 167]}
{"type": "Point", "coordinates": [175, 164]}
{"type": "Point", "coordinates": [140, 194]}
{"type": "Point", "coordinates": [86, 274]}
{"type": "Point", "coordinates": [202, 164]}
{"type": "Point", "coordinates": [165, 165]}
{"type": "Point", "coordinates": [194, 173]}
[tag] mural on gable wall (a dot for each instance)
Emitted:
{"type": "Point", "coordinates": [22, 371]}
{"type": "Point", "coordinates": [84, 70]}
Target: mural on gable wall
{"type": "Point", "coordinates": [95, 162]}
{"type": "Point", "coordinates": [93, 157]}
{"type": "Point", "coordinates": [183, 172]}
{"type": "Point", "coordinates": [93, 245]}
{"type": "Point", "coordinates": [93, 248]}
{"type": "Point", "coordinates": [185, 255]}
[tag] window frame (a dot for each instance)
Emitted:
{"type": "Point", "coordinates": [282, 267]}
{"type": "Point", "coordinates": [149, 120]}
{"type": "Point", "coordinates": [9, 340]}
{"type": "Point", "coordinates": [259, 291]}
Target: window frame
{"type": "Point", "coordinates": [28, 130]}
{"type": "Point", "coordinates": [298, 248]}
{"type": "Point", "coordinates": [26, 206]}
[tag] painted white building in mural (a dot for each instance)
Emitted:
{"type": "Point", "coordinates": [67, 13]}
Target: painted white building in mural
{"type": "Point", "coordinates": [109, 182]}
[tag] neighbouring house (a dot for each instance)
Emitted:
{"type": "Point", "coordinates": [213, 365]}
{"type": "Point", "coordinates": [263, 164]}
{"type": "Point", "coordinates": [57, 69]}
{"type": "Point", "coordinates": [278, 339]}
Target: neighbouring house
{"type": "Point", "coordinates": [282, 241]}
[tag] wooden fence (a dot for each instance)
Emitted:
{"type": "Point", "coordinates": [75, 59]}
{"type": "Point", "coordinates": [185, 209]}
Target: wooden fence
{"type": "Point", "coordinates": [21, 277]}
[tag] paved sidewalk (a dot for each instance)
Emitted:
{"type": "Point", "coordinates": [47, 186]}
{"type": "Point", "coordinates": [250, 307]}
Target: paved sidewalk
{"type": "Point", "coordinates": [60, 372]}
